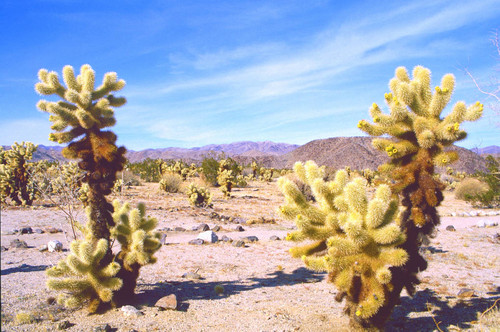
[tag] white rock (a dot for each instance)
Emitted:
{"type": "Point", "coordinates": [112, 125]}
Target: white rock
{"type": "Point", "coordinates": [129, 310]}
{"type": "Point", "coordinates": [491, 223]}
{"type": "Point", "coordinates": [453, 214]}
{"type": "Point", "coordinates": [54, 245]}
{"type": "Point", "coordinates": [208, 236]}
{"type": "Point", "coordinates": [481, 224]}
{"type": "Point", "coordinates": [473, 213]}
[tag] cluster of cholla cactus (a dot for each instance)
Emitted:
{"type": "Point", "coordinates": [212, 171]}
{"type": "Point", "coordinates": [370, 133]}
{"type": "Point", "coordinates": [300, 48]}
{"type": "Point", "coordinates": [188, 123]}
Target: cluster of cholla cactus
{"type": "Point", "coordinates": [80, 119]}
{"type": "Point", "coordinates": [354, 239]}
{"type": "Point", "coordinates": [418, 137]}
{"type": "Point", "coordinates": [226, 177]}
{"type": "Point", "coordinates": [198, 196]}
{"type": "Point", "coordinates": [181, 168]}
{"type": "Point", "coordinates": [14, 174]}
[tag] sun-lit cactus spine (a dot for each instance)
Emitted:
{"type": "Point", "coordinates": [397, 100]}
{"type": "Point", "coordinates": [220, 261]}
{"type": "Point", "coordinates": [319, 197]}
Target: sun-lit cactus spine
{"type": "Point", "coordinates": [84, 277]}
{"type": "Point", "coordinates": [353, 238]}
{"type": "Point", "coordinates": [139, 242]}
{"type": "Point", "coordinates": [14, 174]}
{"type": "Point", "coordinates": [198, 196]}
{"type": "Point", "coordinates": [226, 177]}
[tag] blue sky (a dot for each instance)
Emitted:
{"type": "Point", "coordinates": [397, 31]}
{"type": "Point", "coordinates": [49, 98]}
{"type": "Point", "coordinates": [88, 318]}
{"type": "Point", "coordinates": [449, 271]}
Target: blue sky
{"type": "Point", "coordinates": [213, 72]}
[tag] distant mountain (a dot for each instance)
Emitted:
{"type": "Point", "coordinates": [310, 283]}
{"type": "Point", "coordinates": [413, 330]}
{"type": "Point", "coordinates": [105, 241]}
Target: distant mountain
{"type": "Point", "coordinates": [493, 150]}
{"type": "Point", "coordinates": [337, 152]}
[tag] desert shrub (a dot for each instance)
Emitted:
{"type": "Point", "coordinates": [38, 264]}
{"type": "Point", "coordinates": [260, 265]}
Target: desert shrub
{"type": "Point", "coordinates": [210, 170]}
{"type": "Point", "coordinates": [171, 182]}
{"type": "Point", "coordinates": [130, 179]}
{"type": "Point", "coordinates": [198, 196]}
{"type": "Point", "coordinates": [149, 170]}
{"type": "Point", "coordinates": [470, 187]}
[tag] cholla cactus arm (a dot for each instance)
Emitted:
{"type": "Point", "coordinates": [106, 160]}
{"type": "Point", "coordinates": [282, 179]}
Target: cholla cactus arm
{"type": "Point", "coordinates": [135, 233]}
{"type": "Point", "coordinates": [83, 277]}
{"type": "Point", "coordinates": [198, 196]}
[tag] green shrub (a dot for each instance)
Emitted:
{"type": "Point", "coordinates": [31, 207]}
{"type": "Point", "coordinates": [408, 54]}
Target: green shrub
{"type": "Point", "coordinates": [171, 182]}
{"type": "Point", "coordinates": [210, 169]}
{"type": "Point", "coordinates": [470, 187]}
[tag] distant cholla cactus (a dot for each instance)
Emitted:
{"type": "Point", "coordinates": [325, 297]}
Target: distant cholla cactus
{"type": "Point", "coordinates": [83, 275]}
{"type": "Point", "coordinates": [139, 242]}
{"type": "Point", "coordinates": [355, 238]}
{"type": "Point", "coordinates": [199, 196]}
{"type": "Point", "coordinates": [420, 134]}
{"type": "Point", "coordinates": [14, 174]}
{"type": "Point", "coordinates": [226, 178]}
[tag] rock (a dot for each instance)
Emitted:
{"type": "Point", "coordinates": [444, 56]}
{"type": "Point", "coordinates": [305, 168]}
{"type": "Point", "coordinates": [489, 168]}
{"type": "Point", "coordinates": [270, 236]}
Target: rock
{"type": "Point", "coordinates": [491, 223]}
{"type": "Point", "coordinates": [214, 215]}
{"type": "Point", "coordinates": [239, 228]}
{"type": "Point", "coordinates": [39, 231]}
{"type": "Point", "coordinates": [26, 230]}
{"type": "Point", "coordinates": [274, 238]}
{"type": "Point", "coordinates": [16, 243]}
{"type": "Point", "coordinates": [129, 310]}
{"type": "Point", "coordinates": [216, 228]}
{"type": "Point", "coordinates": [208, 236]}
{"type": "Point", "coordinates": [2, 248]}
{"type": "Point", "coordinates": [51, 230]}
{"type": "Point", "coordinates": [251, 238]}
{"type": "Point", "coordinates": [43, 247]}
{"type": "Point", "coordinates": [453, 214]}
{"type": "Point", "coordinates": [54, 245]}
{"type": "Point", "coordinates": [481, 224]}
{"type": "Point", "coordinates": [201, 228]}
{"type": "Point", "coordinates": [465, 292]}
{"type": "Point", "coordinates": [14, 232]}
{"type": "Point", "coordinates": [191, 275]}
{"type": "Point", "coordinates": [65, 324]}
{"type": "Point", "coordinates": [238, 243]}
{"type": "Point", "coordinates": [102, 328]}
{"type": "Point", "coordinates": [179, 229]}
{"type": "Point", "coordinates": [197, 241]}
{"type": "Point", "coordinates": [226, 238]}
{"type": "Point", "coordinates": [473, 213]}
{"type": "Point", "coordinates": [450, 228]}
{"type": "Point", "coordinates": [163, 238]}
{"type": "Point", "coordinates": [168, 302]}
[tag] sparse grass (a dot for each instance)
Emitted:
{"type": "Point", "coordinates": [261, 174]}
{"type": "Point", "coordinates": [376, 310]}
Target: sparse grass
{"type": "Point", "coordinates": [24, 318]}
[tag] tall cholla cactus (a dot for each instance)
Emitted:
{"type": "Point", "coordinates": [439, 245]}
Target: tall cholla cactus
{"type": "Point", "coordinates": [79, 119]}
{"type": "Point", "coordinates": [355, 239]}
{"type": "Point", "coordinates": [420, 134]}
{"type": "Point", "coordinates": [14, 173]}
{"type": "Point", "coordinates": [225, 177]}
{"type": "Point", "coordinates": [139, 242]}
{"type": "Point", "coordinates": [84, 276]}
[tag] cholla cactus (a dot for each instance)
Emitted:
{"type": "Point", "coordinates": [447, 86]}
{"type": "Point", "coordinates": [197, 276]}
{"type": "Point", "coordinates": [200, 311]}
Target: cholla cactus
{"type": "Point", "coordinates": [199, 196]}
{"type": "Point", "coordinates": [226, 178]}
{"type": "Point", "coordinates": [14, 174]}
{"type": "Point", "coordinates": [355, 239]}
{"type": "Point", "coordinates": [139, 242]}
{"type": "Point", "coordinates": [84, 276]}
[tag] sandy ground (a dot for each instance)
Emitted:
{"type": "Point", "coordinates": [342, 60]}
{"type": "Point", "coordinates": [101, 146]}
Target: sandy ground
{"type": "Point", "coordinates": [264, 288]}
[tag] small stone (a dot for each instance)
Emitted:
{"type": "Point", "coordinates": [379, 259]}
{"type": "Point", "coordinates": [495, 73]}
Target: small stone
{"type": "Point", "coordinates": [491, 223]}
{"type": "Point", "coordinates": [208, 236]}
{"type": "Point", "coordinates": [43, 247]}
{"type": "Point", "coordinates": [450, 228]}
{"type": "Point", "coordinates": [16, 243]}
{"type": "Point", "coordinates": [481, 224]}
{"type": "Point", "coordinates": [473, 213]}
{"type": "Point", "coordinates": [214, 215]}
{"type": "Point", "coordinates": [239, 228]}
{"type": "Point", "coordinates": [274, 238]}
{"type": "Point", "coordinates": [129, 310]}
{"type": "Point", "coordinates": [39, 231]}
{"type": "Point", "coordinates": [197, 241]}
{"type": "Point", "coordinates": [26, 230]}
{"type": "Point", "coordinates": [191, 275]}
{"type": "Point", "coordinates": [453, 214]}
{"type": "Point", "coordinates": [216, 228]}
{"type": "Point", "coordinates": [226, 238]}
{"type": "Point", "coordinates": [179, 229]}
{"type": "Point", "coordinates": [238, 243]}
{"type": "Point", "coordinates": [102, 328]}
{"type": "Point", "coordinates": [465, 292]}
{"type": "Point", "coordinates": [51, 230]}
{"type": "Point", "coordinates": [54, 245]}
{"type": "Point", "coordinates": [14, 232]}
{"type": "Point", "coordinates": [201, 228]}
{"type": "Point", "coordinates": [2, 248]}
{"type": "Point", "coordinates": [163, 238]}
{"type": "Point", "coordinates": [251, 238]}
{"type": "Point", "coordinates": [65, 324]}
{"type": "Point", "coordinates": [168, 302]}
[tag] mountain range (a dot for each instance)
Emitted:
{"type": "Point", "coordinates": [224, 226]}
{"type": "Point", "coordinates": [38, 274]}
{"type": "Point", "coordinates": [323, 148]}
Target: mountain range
{"type": "Point", "coordinates": [337, 152]}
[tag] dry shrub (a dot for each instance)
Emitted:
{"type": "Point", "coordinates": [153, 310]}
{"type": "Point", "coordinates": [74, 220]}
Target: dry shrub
{"type": "Point", "coordinates": [171, 182]}
{"type": "Point", "coordinates": [470, 187]}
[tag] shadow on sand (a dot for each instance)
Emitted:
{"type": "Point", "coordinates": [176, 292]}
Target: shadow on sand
{"type": "Point", "coordinates": [24, 268]}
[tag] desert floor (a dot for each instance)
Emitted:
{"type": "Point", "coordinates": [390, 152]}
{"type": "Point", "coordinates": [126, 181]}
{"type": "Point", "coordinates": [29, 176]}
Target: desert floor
{"type": "Point", "coordinates": [265, 289]}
